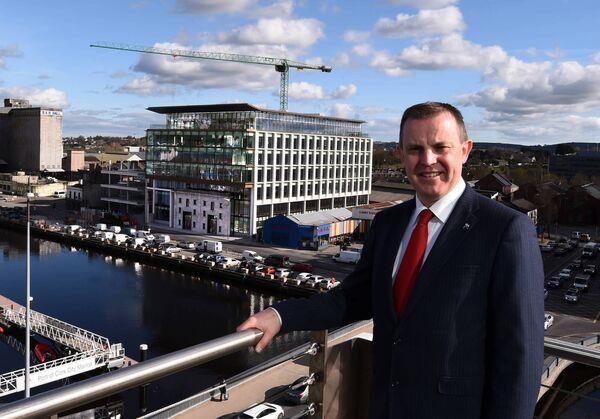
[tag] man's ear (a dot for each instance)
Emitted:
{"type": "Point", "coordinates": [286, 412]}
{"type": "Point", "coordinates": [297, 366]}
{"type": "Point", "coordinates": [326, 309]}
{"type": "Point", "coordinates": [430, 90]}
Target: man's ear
{"type": "Point", "coordinates": [467, 146]}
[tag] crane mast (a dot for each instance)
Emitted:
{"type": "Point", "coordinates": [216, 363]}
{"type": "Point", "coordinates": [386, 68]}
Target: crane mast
{"type": "Point", "coordinates": [281, 65]}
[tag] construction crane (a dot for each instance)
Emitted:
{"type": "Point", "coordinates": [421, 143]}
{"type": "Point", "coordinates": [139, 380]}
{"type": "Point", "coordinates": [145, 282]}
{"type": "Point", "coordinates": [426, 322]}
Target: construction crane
{"type": "Point", "coordinates": [282, 65]}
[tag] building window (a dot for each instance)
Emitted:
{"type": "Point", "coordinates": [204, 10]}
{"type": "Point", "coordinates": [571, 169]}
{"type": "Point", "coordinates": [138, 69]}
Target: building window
{"type": "Point", "coordinates": [180, 200]}
{"type": "Point", "coordinates": [179, 222]}
{"type": "Point", "coordinates": [219, 229]}
{"type": "Point", "coordinates": [203, 226]}
{"type": "Point", "coordinates": [193, 224]}
{"type": "Point", "coordinates": [187, 202]}
{"type": "Point", "coordinates": [194, 202]}
{"type": "Point", "coordinates": [204, 203]}
{"type": "Point", "coordinates": [179, 210]}
{"type": "Point", "coordinates": [259, 192]}
{"type": "Point", "coordinates": [212, 205]}
{"type": "Point", "coordinates": [220, 216]}
{"type": "Point", "coordinates": [220, 205]}
{"type": "Point", "coordinates": [203, 214]}
{"type": "Point", "coordinates": [194, 211]}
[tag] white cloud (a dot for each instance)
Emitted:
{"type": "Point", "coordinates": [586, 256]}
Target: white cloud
{"type": "Point", "coordinates": [212, 6]}
{"type": "Point", "coordinates": [276, 31]}
{"type": "Point", "coordinates": [305, 91]}
{"type": "Point", "coordinates": [52, 98]}
{"type": "Point", "coordinates": [282, 9]}
{"type": "Point", "coordinates": [342, 110]}
{"type": "Point", "coordinates": [344, 92]}
{"type": "Point", "coordinates": [342, 59]}
{"type": "Point", "coordinates": [596, 57]}
{"type": "Point", "coordinates": [424, 4]}
{"type": "Point", "coordinates": [9, 51]}
{"type": "Point", "coordinates": [424, 23]}
{"type": "Point", "coordinates": [362, 50]}
{"type": "Point", "coordinates": [356, 36]}
{"type": "Point", "coordinates": [146, 86]}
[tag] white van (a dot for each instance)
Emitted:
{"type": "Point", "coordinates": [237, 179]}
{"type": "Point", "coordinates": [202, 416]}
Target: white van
{"type": "Point", "coordinates": [115, 229]}
{"type": "Point", "coordinates": [252, 256]}
{"type": "Point", "coordinates": [145, 234]}
{"type": "Point", "coordinates": [163, 238]}
{"type": "Point", "coordinates": [107, 235]}
{"type": "Point", "coordinates": [119, 238]}
{"type": "Point", "coordinates": [72, 228]}
{"type": "Point", "coordinates": [60, 194]}
{"type": "Point", "coordinates": [347, 256]}
{"type": "Point", "coordinates": [101, 227]}
{"type": "Point", "coordinates": [210, 246]}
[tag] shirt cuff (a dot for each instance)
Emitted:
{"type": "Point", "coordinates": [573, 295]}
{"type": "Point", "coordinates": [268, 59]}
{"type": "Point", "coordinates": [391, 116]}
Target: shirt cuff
{"type": "Point", "coordinates": [278, 315]}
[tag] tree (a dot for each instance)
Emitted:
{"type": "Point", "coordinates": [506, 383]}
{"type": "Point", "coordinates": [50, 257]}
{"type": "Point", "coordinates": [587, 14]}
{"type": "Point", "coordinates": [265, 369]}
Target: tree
{"type": "Point", "coordinates": [563, 149]}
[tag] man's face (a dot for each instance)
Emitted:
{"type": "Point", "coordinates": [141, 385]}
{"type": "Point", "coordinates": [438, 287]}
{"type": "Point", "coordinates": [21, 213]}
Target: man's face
{"type": "Point", "coordinates": [433, 155]}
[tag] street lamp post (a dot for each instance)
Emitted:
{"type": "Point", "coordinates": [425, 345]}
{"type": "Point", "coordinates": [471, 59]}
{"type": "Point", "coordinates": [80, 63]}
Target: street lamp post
{"type": "Point", "coordinates": [28, 297]}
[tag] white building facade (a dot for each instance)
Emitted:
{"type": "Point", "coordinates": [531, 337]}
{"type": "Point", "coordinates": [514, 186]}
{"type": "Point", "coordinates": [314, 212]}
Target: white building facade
{"type": "Point", "coordinates": [249, 164]}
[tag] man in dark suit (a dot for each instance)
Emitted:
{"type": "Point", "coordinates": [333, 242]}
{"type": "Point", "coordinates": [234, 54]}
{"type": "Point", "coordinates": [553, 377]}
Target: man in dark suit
{"type": "Point", "coordinates": [454, 284]}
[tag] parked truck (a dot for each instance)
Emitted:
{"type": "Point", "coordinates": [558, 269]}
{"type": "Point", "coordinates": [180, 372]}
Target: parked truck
{"type": "Point", "coordinates": [589, 250]}
{"type": "Point", "coordinates": [210, 246]}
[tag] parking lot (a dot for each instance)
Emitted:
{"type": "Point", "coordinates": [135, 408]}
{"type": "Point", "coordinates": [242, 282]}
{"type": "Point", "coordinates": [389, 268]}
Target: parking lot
{"type": "Point", "coordinates": [589, 305]}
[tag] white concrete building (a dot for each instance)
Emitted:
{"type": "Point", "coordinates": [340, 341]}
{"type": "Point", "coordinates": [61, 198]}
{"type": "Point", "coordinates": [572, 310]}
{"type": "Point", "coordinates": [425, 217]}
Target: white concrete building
{"type": "Point", "coordinates": [251, 164]}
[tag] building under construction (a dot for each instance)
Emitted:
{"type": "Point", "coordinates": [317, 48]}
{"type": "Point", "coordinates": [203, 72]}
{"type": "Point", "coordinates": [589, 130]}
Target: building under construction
{"type": "Point", "coordinates": [224, 169]}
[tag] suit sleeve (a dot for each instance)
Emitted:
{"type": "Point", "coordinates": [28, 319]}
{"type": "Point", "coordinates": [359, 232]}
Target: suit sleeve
{"type": "Point", "coordinates": [347, 303]}
{"type": "Point", "coordinates": [515, 344]}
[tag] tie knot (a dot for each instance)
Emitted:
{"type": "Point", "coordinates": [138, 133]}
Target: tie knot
{"type": "Point", "coordinates": [425, 216]}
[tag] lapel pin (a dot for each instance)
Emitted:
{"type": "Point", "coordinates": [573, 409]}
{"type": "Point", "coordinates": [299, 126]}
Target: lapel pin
{"type": "Point", "coordinates": [466, 226]}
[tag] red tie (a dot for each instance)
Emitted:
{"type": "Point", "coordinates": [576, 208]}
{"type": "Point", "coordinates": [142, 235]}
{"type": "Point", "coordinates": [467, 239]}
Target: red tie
{"type": "Point", "coordinates": [411, 262]}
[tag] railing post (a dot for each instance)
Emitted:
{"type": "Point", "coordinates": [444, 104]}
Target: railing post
{"type": "Point", "coordinates": [317, 367]}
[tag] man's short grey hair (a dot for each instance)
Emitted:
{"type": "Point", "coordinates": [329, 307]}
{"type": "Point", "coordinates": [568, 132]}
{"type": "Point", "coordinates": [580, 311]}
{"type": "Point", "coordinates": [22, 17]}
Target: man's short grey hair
{"type": "Point", "coordinates": [429, 110]}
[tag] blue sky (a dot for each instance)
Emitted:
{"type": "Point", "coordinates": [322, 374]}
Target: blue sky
{"type": "Point", "coordinates": [522, 72]}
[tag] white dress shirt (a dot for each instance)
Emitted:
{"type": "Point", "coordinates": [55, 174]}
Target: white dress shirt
{"type": "Point", "coordinates": [442, 208]}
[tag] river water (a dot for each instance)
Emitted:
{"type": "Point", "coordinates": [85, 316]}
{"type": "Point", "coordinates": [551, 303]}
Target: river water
{"type": "Point", "coordinates": [132, 303]}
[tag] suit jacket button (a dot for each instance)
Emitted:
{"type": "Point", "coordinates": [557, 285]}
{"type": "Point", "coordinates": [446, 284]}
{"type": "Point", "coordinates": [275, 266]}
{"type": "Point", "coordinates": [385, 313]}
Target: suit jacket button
{"type": "Point", "coordinates": [395, 384]}
{"type": "Point", "coordinates": [398, 341]}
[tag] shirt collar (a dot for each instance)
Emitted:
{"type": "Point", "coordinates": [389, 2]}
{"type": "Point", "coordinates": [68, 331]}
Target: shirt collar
{"type": "Point", "coordinates": [442, 208]}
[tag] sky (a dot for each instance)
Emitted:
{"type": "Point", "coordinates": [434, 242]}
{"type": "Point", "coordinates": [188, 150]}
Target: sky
{"type": "Point", "coordinates": [524, 72]}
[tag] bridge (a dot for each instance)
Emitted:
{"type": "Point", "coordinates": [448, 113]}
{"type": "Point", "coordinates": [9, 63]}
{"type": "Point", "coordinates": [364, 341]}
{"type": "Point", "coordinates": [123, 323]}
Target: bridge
{"type": "Point", "coordinates": [90, 351]}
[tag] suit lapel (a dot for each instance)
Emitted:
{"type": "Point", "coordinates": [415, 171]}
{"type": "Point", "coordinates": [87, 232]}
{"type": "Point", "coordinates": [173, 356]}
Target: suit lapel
{"type": "Point", "coordinates": [391, 246]}
{"type": "Point", "coordinates": [457, 227]}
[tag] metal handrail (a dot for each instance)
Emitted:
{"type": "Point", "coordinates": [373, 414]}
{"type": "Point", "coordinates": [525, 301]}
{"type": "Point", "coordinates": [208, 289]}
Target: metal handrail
{"type": "Point", "coordinates": [68, 397]}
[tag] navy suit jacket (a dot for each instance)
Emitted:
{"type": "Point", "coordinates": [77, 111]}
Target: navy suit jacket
{"type": "Point", "coordinates": [470, 342]}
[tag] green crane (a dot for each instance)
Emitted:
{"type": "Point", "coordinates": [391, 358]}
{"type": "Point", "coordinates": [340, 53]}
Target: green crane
{"type": "Point", "coordinates": [281, 65]}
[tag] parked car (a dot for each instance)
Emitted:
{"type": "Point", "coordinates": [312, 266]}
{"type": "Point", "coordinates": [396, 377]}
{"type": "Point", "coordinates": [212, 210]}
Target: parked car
{"type": "Point", "coordinates": [302, 267]}
{"type": "Point", "coordinates": [328, 283]}
{"type": "Point", "coordinates": [262, 411]}
{"type": "Point", "coordinates": [574, 243]}
{"type": "Point", "coordinates": [186, 245]}
{"type": "Point", "coordinates": [298, 390]}
{"type": "Point", "coordinates": [279, 261]}
{"type": "Point", "coordinates": [574, 266]}
{"type": "Point", "coordinates": [251, 255]}
{"type": "Point", "coordinates": [282, 273]}
{"type": "Point", "coordinates": [544, 248]}
{"type": "Point", "coordinates": [298, 278]}
{"type": "Point", "coordinates": [554, 282]}
{"type": "Point", "coordinates": [257, 267]}
{"type": "Point", "coordinates": [269, 270]}
{"type": "Point", "coordinates": [169, 248]}
{"type": "Point", "coordinates": [575, 235]}
{"type": "Point", "coordinates": [314, 281]}
{"type": "Point", "coordinates": [229, 263]}
{"type": "Point", "coordinates": [347, 256]}
{"type": "Point", "coordinates": [566, 274]}
{"type": "Point", "coordinates": [548, 320]}
{"type": "Point", "coordinates": [582, 282]}
{"type": "Point", "coordinates": [572, 295]}
{"type": "Point", "coordinates": [584, 237]}
{"type": "Point", "coordinates": [590, 270]}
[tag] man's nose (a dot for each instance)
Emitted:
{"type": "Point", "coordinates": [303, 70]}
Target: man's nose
{"type": "Point", "coordinates": [427, 157]}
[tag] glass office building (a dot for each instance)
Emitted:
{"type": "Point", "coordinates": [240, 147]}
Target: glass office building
{"type": "Point", "coordinates": [224, 169]}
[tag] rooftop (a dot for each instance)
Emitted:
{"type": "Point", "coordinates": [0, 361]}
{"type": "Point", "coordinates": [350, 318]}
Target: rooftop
{"type": "Point", "coordinates": [321, 217]}
{"type": "Point", "coordinates": [240, 107]}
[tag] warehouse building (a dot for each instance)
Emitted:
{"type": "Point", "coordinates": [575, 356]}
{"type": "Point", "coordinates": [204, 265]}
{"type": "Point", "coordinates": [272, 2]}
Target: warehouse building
{"type": "Point", "coordinates": [30, 137]}
{"type": "Point", "coordinates": [310, 230]}
{"type": "Point", "coordinates": [225, 169]}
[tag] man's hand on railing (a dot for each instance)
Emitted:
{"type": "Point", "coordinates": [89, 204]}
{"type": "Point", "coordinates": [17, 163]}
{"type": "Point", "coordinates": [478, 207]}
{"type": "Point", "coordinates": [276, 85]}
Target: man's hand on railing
{"type": "Point", "coordinates": [267, 321]}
